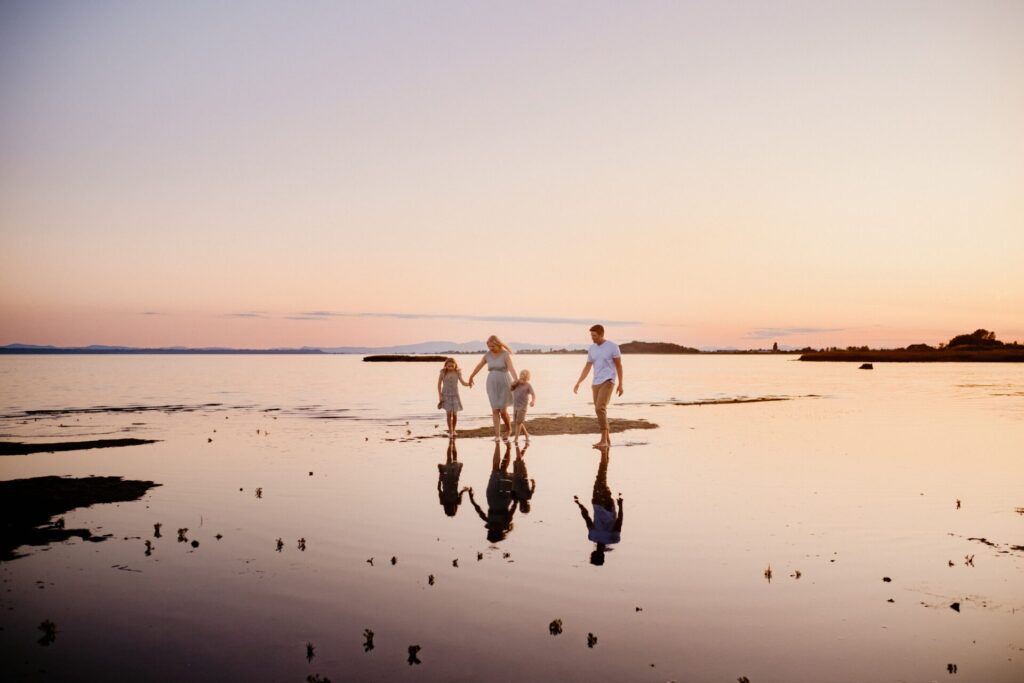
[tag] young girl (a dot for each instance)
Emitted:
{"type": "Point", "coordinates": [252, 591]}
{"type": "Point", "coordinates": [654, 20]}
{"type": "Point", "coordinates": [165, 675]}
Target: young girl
{"type": "Point", "coordinates": [448, 393]}
{"type": "Point", "coordinates": [522, 391]}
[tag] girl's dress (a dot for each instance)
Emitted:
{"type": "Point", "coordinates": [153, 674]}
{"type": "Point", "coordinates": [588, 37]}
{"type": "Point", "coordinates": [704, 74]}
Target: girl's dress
{"type": "Point", "coordinates": [499, 384]}
{"type": "Point", "coordinates": [450, 400]}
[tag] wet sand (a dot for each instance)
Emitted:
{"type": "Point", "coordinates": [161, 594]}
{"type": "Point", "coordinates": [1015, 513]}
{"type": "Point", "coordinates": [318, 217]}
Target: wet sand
{"type": "Point", "coordinates": [26, 505]}
{"type": "Point", "coordinates": [19, 448]}
{"type": "Point", "coordinates": [566, 424]}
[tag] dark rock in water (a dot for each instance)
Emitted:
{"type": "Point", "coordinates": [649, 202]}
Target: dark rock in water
{"type": "Point", "coordinates": [591, 640]}
{"type": "Point", "coordinates": [49, 630]}
{"type": "Point", "coordinates": [951, 668]}
{"type": "Point", "coordinates": [413, 652]}
{"type": "Point", "coordinates": [890, 600]}
{"type": "Point", "coordinates": [455, 563]}
{"type": "Point", "coordinates": [394, 561]}
{"type": "Point", "coordinates": [639, 609]}
{"type": "Point", "coordinates": [866, 366]}
{"type": "Point", "coordinates": [181, 535]}
{"type": "Point", "coordinates": [195, 544]}
{"type": "Point", "coordinates": [955, 607]}
{"type": "Point", "coordinates": [555, 627]}
{"type": "Point", "coordinates": [156, 530]}
{"type": "Point", "coordinates": [367, 640]}
{"type": "Point", "coordinates": [309, 652]}
{"type": "Point", "coordinates": [209, 440]}
{"type": "Point", "coordinates": [430, 579]}
{"type": "Point", "coordinates": [219, 536]}
{"type": "Point", "coordinates": [370, 562]}
{"type": "Point", "coordinates": [479, 556]}
{"type": "Point", "coordinates": [280, 545]}
{"type": "Point", "coordinates": [886, 579]}
{"type": "Point", "coordinates": [302, 544]}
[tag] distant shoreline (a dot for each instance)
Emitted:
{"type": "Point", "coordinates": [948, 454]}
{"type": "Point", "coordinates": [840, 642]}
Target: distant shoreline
{"type": "Point", "coordinates": [903, 356]}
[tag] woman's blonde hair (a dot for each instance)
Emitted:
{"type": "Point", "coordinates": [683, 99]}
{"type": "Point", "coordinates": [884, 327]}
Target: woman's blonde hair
{"type": "Point", "coordinates": [444, 368]}
{"type": "Point", "coordinates": [497, 342]}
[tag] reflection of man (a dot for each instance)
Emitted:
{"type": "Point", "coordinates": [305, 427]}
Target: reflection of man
{"type": "Point", "coordinates": [606, 360]}
{"type": "Point", "coordinates": [605, 528]}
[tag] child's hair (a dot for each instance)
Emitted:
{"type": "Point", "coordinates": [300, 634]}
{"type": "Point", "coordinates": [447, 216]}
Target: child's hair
{"type": "Point", "coordinates": [500, 344]}
{"type": "Point", "coordinates": [524, 377]}
{"type": "Point", "coordinates": [454, 362]}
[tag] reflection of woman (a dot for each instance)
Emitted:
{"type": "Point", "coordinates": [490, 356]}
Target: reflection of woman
{"type": "Point", "coordinates": [448, 493]}
{"type": "Point", "coordinates": [500, 374]}
{"type": "Point", "coordinates": [605, 528]}
{"type": "Point", "coordinates": [501, 505]}
{"type": "Point", "coordinates": [522, 486]}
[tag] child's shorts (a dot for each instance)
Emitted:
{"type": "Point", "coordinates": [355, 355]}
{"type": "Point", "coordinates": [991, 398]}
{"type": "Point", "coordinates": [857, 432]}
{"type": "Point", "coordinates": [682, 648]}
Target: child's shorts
{"type": "Point", "coordinates": [519, 415]}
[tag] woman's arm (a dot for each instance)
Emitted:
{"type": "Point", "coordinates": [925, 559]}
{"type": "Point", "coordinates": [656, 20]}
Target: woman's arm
{"type": "Point", "coordinates": [511, 368]}
{"type": "Point", "coordinates": [483, 362]}
{"type": "Point", "coordinates": [477, 507]}
{"type": "Point", "coordinates": [462, 381]}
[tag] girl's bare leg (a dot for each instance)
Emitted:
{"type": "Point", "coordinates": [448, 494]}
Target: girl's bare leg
{"type": "Point", "coordinates": [455, 421]}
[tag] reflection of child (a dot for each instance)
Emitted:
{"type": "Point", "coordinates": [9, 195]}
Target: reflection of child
{"type": "Point", "coordinates": [501, 505]}
{"type": "Point", "coordinates": [606, 526]}
{"type": "Point", "coordinates": [448, 493]}
{"type": "Point", "coordinates": [448, 393]}
{"type": "Point", "coordinates": [522, 391]}
{"type": "Point", "coordinates": [522, 486]}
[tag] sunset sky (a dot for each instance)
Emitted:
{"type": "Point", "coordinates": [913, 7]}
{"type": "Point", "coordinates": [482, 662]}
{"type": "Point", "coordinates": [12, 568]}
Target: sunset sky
{"type": "Point", "coordinates": [324, 173]}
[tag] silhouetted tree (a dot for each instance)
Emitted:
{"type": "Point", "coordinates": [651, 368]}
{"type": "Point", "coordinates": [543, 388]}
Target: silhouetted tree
{"type": "Point", "coordinates": [979, 337]}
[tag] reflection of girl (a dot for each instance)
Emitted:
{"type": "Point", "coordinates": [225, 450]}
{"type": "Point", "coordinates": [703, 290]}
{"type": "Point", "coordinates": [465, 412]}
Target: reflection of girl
{"type": "Point", "coordinates": [448, 493]}
{"type": "Point", "coordinates": [448, 393]}
{"type": "Point", "coordinates": [500, 374]}
{"type": "Point", "coordinates": [501, 505]}
{"type": "Point", "coordinates": [522, 486]}
{"type": "Point", "coordinates": [606, 526]}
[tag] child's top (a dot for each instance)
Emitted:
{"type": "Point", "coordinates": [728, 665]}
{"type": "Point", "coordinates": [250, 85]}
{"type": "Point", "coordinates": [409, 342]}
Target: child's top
{"type": "Point", "coordinates": [521, 395]}
{"type": "Point", "coordinates": [450, 384]}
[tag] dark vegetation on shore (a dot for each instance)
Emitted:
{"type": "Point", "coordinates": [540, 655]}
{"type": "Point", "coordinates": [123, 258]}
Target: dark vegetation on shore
{"type": "Point", "coordinates": [28, 505]}
{"type": "Point", "coordinates": [19, 448]}
{"type": "Point", "coordinates": [980, 346]}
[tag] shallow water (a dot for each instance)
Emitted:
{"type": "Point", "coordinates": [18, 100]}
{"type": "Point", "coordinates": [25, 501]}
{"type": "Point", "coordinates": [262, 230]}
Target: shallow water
{"type": "Point", "coordinates": [854, 479]}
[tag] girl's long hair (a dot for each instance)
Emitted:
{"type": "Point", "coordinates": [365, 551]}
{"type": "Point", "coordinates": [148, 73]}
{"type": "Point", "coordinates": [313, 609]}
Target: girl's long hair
{"type": "Point", "coordinates": [444, 368]}
{"type": "Point", "coordinates": [494, 339]}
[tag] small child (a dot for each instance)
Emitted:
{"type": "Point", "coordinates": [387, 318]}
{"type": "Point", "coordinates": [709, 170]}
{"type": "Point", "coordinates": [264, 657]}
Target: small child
{"type": "Point", "coordinates": [522, 391]}
{"type": "Point", "coordinates": [522, 486]}
{"type": "Point", "coordinates": [448, 393]}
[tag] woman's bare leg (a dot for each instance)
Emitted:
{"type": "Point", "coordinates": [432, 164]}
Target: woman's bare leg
{"type": "Point", "coordinates": [508, 423]}
{"type": "Point", "coordinates": [496, 415]}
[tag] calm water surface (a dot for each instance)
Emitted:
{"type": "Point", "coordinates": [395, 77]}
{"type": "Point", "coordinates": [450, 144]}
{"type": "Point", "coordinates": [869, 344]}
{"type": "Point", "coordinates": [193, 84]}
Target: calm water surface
{"type": "Point", "coordinates": [852, 480]}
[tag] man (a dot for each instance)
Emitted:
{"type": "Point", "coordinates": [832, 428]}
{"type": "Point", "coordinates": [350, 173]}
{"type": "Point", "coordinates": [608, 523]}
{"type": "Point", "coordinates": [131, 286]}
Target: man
{"type": "Point", "coordinates": [605, 359]}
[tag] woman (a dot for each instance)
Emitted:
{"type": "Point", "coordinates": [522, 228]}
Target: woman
{"type": "Point", "coordinates": [500, 375]}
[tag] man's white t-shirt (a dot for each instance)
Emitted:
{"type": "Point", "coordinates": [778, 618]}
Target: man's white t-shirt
{"type": "Point", "coordinates": [602, 356]}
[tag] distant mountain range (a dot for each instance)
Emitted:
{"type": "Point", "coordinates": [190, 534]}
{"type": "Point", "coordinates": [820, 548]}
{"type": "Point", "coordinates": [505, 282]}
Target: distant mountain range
{"type": "Point", "coordinates": [423, 347]}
